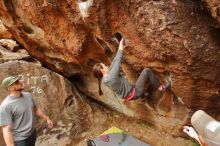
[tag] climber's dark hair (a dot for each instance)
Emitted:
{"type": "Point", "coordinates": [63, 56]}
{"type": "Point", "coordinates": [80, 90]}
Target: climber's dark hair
{"type": "Point", "coordinates": [98, 74]}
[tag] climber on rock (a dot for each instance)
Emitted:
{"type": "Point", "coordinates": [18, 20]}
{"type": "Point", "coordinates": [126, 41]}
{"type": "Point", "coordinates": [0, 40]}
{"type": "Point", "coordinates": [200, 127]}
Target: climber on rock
{"type": "Point", "coordinates": [111, 77]}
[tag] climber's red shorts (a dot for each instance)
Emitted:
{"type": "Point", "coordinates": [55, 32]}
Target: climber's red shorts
{"type": "Point", "coordinates": [131, 95]}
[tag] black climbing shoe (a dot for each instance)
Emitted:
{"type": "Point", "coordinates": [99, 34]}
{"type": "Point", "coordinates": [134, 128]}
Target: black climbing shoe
{"type": "Point", "coordinates": [168, 80]}
{"type": "Point", "coordinates": [166, 86]}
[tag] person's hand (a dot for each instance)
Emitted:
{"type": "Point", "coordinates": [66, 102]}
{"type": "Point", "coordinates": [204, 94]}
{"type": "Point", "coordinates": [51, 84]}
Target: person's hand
{"type": "Point", "coordinates": [122, 44]}
{"type": "Point", "coordinates": [191, 132]}
{"type": "Point", "coordinates": [49, 124]}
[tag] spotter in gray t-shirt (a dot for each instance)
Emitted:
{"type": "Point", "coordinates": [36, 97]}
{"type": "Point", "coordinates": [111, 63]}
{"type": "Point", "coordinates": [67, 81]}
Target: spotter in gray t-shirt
{"type": "Point", "coordinates": [18, 112]}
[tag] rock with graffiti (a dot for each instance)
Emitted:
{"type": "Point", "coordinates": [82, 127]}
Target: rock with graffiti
{"type": "Point", "coordinates": [54, 94]}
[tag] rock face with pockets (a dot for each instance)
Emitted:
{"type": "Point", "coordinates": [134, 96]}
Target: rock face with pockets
{"type": "Point", "coordinates": [176, 35]}
{"type": "Point", "coordinates": [56, 96]}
